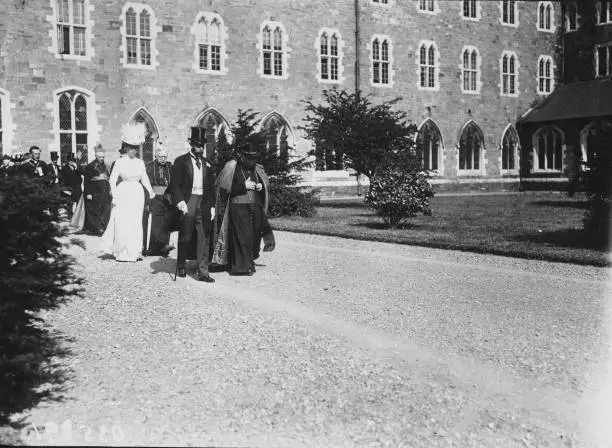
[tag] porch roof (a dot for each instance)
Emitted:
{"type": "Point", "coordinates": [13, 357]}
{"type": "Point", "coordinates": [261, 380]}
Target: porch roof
{"type": "Point", "coordinates": [587, 99]}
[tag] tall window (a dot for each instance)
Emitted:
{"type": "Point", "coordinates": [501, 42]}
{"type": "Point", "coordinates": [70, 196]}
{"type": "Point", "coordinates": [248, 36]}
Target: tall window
{"type": "Point", "coordinates": [329, 55]}
{"type": "Point", "coordinates": [571, 17]}
{"type": "Point", "coordinates": [509, 150]}
{"type": "Point", "coordinates": [72, 27]}
{"type": "Point", "coordinates": [509, 12]}
{"type": "Point", "coordinates": [604, 11]}
{"type": "Point", "coordinates": [429, 143]}
{"type": "Point", "coordinates": [210, 44]}
{"type": "Point", "coordinates": [277, 134]}
{"type": "Point", "coordinates": [545, 75]}
{"type": "Point", "coordinates": [381, 61]}
{"type": "Point", "coordinates": [273, 50]}
{"type": "Point", "coordinates": [545, 16]}
{"type": "Point", "coordinates": [147, 149]}
{"type": "Point", "coordinates": [470, 71]}
{"type": "Point", "coordinates": [74, 131]}
{"type": "Point", "coordinates": [215, 131]}
{"type": "Point", "coordinates": [139, 36]}
{"type": "Point", "coordinates": [470, 148]}
{"type": "Point", "coordinates": [427, 66]}
{"type": "Point", "coordinates": [548, 148]}
{"type": "Point", "coordinates": [509, 72]}
{"type": "Point", "coordinates": [469, 9]}
{"type": "Point", "coordinates": [427, 5]}
{"type": "Point", "coordinates": [603, 60]}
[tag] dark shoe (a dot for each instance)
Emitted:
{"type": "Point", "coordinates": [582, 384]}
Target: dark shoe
{"type": "Point", "coordinates": [206, 278]}
{"type": "Point", "coordinates": [182, 272]}
{"type": "Point", "coordinates": [146, 253]}
{"type": "Point", "coordinates": [166, 250]}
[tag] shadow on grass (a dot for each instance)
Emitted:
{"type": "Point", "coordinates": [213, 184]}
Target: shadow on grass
{"type": "Point", "coordinates": [574, 238]}
{"type": "Point", "coordinates": [583, 205]}
{"type": "Point", "coordinates": [352, 203]}
{"type": "Point", "coordinates": [382, 226]}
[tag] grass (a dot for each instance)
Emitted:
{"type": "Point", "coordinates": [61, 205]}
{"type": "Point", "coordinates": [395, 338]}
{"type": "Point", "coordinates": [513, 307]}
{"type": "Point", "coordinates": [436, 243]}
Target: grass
{"type": "Point", "coordinates": [544, 226]}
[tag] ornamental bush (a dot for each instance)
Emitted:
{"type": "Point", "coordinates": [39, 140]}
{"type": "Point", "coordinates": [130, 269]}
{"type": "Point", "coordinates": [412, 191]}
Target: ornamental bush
{"type": "Point", "coordinates": [35, 274]}
{"type": "Point", "coordinates": [288, 200]}
{"type": "Point", "coordinates": [399, 191]}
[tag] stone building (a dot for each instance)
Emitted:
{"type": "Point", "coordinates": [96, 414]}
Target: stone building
{"type": "Point", "coordinates": [575, 122]}
{"type": "Point", "coordinates": [74, 71]}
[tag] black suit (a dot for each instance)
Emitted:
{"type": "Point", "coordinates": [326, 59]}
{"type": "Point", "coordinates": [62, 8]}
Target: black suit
{"type": "Point", "coordinates": [31, 168]}
{"type": "Point", "coordinates": [198, 216]}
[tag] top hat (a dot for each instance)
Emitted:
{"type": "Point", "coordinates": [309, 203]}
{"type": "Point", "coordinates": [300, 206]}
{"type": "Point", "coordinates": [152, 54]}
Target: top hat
{"type": "Point", "coordinates": [197, 136]}
{"type": "Point", "coordinates": [250, 150]}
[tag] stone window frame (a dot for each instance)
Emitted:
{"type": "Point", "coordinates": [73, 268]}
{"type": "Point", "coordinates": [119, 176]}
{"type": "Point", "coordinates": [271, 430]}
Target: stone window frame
{"type": "Point", "coordinates": [89, 35]}
{"type": "Point", "coordinates": [428, 44]}
{"type": "Point", "coordinates": [544, 5]}
{"type": "Point", "coordinates": [584, 132]}
{"type": "Point", "coordinates": [481, 156]}
{"type": "Point", "coordinates": [470, 49]}
{"type": "Point", "coordinates": [142, 115]}
{"type": "Point", "coordinates": [7, 126]}
{"type": "Point", "coordinates": [536, 149]}
{"type": "Point", "coordinates": [341, 45]}
{"type": "Point", "coordinates": [93, 129]}
{"type": "Point", "coordinates": [477, 5]}
{"type": "Point", "coordinates": [434, 3]}
{"type": "Point", "coordinates": [541, 74]}
{"type": "Point", "coordinates": [210, 17]}
{"type": "Point", "coordinates": [391, 73]}
{"type": "Point", "coordinates": [596, 50]}
{"type": "Point", "coordinates": [568, 21]}
{"type": "Point", "coordinates": [515, 23]}
{"type": "Point", "coordinates": [502, 74]}
{"type": "Point", "coordinates": [219, 124]}
{"type": "Point", "coordinates": [517, 151]}
{"type": "Point", "coordinates": [598, 8]}
{"type": "Point", "coordinates": [284, 126]}
{"type": "Point", "coordinates": [154, 30]}
{"type": "Point", "coordinates": [286, 50]}
{"type": "Point", "coordinates": [440, 160]}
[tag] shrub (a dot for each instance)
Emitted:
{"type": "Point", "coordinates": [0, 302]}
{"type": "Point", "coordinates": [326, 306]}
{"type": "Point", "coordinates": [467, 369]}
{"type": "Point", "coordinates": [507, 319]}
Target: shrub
{"type": "Point", "coordinates": [35, 274]}
{"type": "Point", "coordinates": [398, 191]}
{"type": "Point", "coordinates": [598, 217]}
{"type": "Point", "coordinates": [287, 200]}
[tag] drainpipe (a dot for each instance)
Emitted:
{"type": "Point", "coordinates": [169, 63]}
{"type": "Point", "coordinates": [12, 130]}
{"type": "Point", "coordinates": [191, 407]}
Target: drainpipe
{"type": "Point", "coordinates": [357, 48]}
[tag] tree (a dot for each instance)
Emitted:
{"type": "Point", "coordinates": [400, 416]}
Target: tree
{"type": "Point", "coordinates": [362, 132]}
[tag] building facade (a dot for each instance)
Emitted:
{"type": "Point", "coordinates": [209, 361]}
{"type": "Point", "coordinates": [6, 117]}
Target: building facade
{"type": "Point", "coordinates": [74, 71]}
{"type": "Point", "coordinates": [575, 122]}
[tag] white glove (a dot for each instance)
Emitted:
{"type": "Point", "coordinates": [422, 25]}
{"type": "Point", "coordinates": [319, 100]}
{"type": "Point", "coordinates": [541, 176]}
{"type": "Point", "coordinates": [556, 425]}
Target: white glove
{"type": "Point", "coordinates": [259, 186]}
{"type": "Point", "coordinates": [212, 213]}
{"type": "Point", "coordinates": [152, 195]}
{"type": "Point", "coordinates": [182, 207]}
{"type": "Point", "coordinates": [249, 184]}
{"type": "Point", "coordinates": [90, 197]}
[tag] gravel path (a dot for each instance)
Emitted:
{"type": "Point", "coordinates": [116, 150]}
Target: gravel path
{"type": "Point", "coordinates": [335, 343]}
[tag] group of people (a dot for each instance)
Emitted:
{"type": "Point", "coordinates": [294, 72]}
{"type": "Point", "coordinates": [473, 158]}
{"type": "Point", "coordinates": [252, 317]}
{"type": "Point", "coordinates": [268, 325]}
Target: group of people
{"type": "Point", "coordinates": [221, 219]}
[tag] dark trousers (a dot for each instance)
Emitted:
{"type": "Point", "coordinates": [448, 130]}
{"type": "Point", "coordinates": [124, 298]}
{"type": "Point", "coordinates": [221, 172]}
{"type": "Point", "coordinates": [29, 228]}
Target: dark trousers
{"type": "Point", "coordinates": [192, 221]}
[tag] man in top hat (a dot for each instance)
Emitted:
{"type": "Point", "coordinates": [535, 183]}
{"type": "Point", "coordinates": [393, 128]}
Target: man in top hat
{"type": "Point", "coordinates": [97, 194]}
{"type": "Point", "coordinates": [242, 205]}
{"type": "Point", "coordinates": [53, 169]}
{"type": "Point", "coordinates": [159, 172]}
{"type": "Point", "coordinates": [34, 167]}
{"type": "Point", "coordinates": [192, 191]}
{"type": "Point", "coordinates": [72, 179]}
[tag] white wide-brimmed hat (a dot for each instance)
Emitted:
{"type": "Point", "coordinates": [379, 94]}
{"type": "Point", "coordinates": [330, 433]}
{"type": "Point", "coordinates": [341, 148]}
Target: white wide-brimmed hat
{"type": "Point", "coordinates": [133, 134]}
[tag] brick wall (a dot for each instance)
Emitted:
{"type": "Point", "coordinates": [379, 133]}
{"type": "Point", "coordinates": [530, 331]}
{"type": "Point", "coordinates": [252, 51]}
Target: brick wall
{"type": "Point", "coordinates": [174, 95]}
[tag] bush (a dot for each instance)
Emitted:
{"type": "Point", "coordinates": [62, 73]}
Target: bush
{"type": "Point", "coordinates": [35, 274]}
{"type": "Point", "coordinates": [291, 201]}
{"type": "Point", "coordinates": [398, 192]}
{"type": "Point", "coordinates": [598, 217]}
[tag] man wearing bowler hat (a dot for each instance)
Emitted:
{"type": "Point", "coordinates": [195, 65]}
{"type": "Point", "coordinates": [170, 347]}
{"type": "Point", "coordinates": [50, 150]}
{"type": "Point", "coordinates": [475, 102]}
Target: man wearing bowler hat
{"type": "Point", "coordinates": [192, 192]}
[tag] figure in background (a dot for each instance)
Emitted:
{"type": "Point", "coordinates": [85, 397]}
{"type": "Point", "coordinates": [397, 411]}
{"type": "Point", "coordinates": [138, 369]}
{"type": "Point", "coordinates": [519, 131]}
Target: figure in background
{"type": "Point", "coordinates": [192, 192]}
{"type": "Point", "coordinates": [123, 236]}
{"type": "Point", "coordinates": [53, 169]}
{"type": "Point", "coordinates": [242, 205]}
{"type": "Point", "coordinates": [160, 173]}
{"type": "Point", "coordinates": [5, 168]}
{"type": "Point", "coordinates": [34, 167]}
{"type": "Point", "coordinates": [97, 194]}
{"type": "Point", "coordinates": [71, 180]}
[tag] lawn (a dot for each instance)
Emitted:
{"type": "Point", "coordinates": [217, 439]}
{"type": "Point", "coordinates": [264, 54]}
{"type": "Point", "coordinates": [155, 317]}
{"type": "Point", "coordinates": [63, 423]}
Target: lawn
{"type": "Point", "coordinates": [546, 226]}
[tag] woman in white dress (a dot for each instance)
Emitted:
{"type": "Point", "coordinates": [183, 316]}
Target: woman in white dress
{"type": "Point", "coordinates": [123, 236]}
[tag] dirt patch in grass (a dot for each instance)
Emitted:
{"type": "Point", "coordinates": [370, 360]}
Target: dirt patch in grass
{"type": "Point", "coordinates": [545, 226]}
